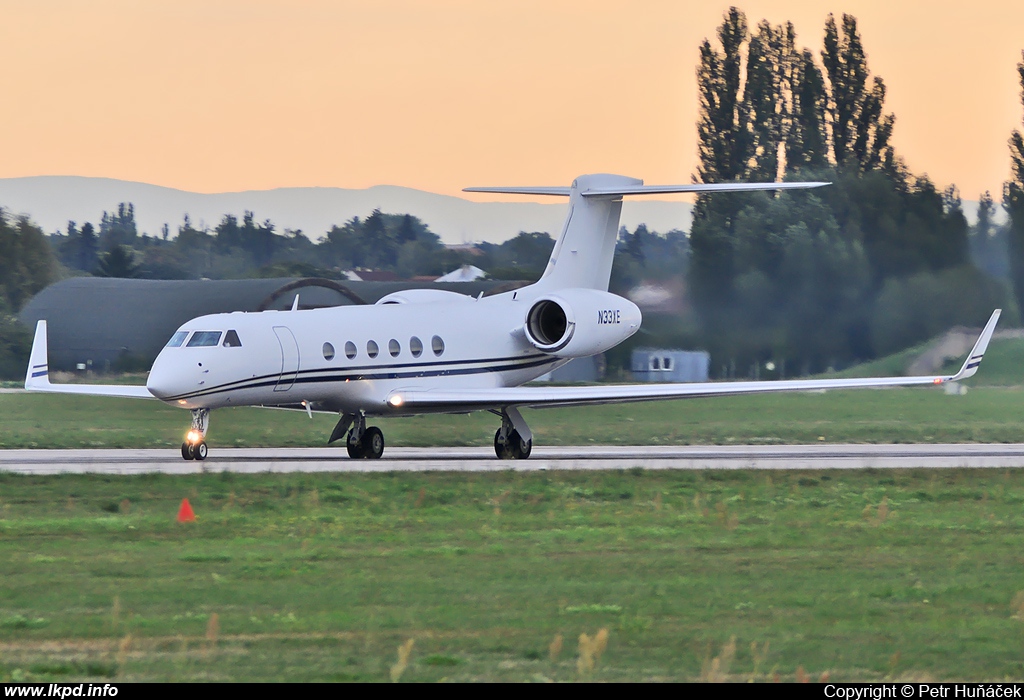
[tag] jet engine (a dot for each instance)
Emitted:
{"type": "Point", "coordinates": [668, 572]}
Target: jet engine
{"type": "Point", "coordinates": [580, 322]}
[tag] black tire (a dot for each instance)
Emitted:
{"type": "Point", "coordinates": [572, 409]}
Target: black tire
{"type": "Point", "coordinates": [200, 450]}
{"type": "Point", "coordinates": [373, 443]}
{"type": "Point", "coordinates": [511, 448]}
{"type": "Point", "coordinates": [186, 452]}
{"type": "Point", "coordinates": [500, 448]}
{"type": "Point", "coordinates": [355, 449]}
{"type": "Point", "coordinates": [521, 448]}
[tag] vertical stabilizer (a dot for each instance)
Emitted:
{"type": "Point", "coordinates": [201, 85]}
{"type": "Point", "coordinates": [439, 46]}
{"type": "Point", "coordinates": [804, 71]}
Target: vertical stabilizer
{"type": "Point", "coordinates": [583, 253]}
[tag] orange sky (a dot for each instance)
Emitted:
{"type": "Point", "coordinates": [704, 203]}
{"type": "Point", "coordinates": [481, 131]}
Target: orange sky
{"type": "Point", "coordinates": [221, 95]}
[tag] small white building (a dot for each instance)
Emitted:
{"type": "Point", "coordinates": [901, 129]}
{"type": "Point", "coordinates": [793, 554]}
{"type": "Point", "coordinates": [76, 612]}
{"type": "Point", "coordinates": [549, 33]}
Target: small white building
{"type": "Point", "coordinates": [657, 365]}
{"type": "Point", "coordinates": [466, 273]}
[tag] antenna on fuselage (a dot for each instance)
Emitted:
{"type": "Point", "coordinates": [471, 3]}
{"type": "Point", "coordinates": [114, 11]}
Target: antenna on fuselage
{"type": "Point", "coordinates": [295, 303]}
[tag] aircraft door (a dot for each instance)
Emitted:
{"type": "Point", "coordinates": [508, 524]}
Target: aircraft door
{"type": "Point", "coordinates": [289, 358]}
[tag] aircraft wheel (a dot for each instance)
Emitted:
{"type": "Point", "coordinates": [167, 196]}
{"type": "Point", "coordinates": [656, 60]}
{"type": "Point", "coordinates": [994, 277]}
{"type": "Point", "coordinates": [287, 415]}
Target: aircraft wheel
{"type": "Point", "coordinates": [501, 449]}
{"type": "Point", "coordinates": [355, 449]}
{"type": "Point", "coordinates": [186, 451]}
{"type": "Point", "coordinates": [200, 450]}
{"type": "Point", "coordinates": [521, 448]}
{"type": "Point", "coordinates": [373, 443]}
{"type": "Point", "coordinates": [514, 448]}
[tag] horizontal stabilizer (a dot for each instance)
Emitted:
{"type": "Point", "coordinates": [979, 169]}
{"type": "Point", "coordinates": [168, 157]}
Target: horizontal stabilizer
{"type": "Point", "coordinates": [683, 189]}
{"type": "Point", "coordinates": [631, 190]}
{"type": "Point", "coordinates": [545, 191]}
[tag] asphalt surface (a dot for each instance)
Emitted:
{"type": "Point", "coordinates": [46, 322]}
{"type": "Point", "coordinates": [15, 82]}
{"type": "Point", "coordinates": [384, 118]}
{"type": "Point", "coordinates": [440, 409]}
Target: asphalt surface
{"type": "Point", "coordinates": [480, 459]}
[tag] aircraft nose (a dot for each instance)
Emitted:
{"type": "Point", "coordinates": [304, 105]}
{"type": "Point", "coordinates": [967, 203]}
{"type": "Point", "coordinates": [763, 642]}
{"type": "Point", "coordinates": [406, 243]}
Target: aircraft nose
{"type": "Point", "coordinates": [164, 383]}
{"type": "Point", "coordinates": [158, 384]}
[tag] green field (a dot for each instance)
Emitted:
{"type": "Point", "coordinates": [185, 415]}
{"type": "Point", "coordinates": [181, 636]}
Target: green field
{"type": "Point", "coordinates": [861, 575]}
{"type": "Point", "coordinates": [927, 415]}
{"type": "Point", "coordinates": [866, 575]}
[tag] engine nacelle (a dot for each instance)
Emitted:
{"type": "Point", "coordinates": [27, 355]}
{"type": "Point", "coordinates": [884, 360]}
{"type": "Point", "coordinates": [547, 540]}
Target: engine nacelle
{"type": "Point", "coordinates": [580, 322]}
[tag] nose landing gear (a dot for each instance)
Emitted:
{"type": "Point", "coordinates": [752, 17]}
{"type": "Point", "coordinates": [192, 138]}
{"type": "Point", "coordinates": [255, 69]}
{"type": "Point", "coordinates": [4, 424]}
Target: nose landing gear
{"type": "Point", "coordinates": [194, 446]}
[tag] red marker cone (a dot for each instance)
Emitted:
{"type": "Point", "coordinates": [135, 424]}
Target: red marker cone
{"type": "Point", "coordinates": [185, 514]}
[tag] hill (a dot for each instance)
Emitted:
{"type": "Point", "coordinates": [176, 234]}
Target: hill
{"type": "Point", "coordinates": [51, 201]}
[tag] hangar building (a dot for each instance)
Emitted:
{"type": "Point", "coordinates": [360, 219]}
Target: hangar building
{"type": "Point", "coordinates": [109, 323]}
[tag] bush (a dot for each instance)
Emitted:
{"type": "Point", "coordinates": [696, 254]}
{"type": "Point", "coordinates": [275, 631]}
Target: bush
{"type": "Point", "coordinates": [15, 345]}
{"type": "Point", "coordinates": [911, 310]}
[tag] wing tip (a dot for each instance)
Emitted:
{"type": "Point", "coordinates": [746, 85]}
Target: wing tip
{"type": "Point", "coordinates": [37, 375]}
{"type": "Point", "coordinates": [977, 354]}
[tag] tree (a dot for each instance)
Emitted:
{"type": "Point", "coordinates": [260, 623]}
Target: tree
{"type": "Point", "coordinates": [807, 142]}
{"type": "Point", "coordinates": [27, 263]}
{"type": "Point", "coordinates": [118, 228]}
{"type": "Point", "coordinates": [723, 142]}
{"type": "Point", "coordinates": [88, 246]}
{"type": "Point", "coordinates": [760, 262]}
{"type": "Point", "coordinates": [987, 241]}
{"type": "Point", "coordinates": [119, 261]}
{"type": "Point", "coordinates": [1013, 200]}
{"type": "Point", "coordinates": [860, 132]}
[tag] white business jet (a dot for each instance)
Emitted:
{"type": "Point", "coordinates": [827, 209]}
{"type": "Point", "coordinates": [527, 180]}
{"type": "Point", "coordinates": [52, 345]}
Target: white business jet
{"type": "Point", "coordinates": [432, 351]}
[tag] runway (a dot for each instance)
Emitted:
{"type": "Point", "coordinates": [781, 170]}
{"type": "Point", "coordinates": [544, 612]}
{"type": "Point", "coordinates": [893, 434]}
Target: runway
{"type": "Point", "coordinates": [481, 459]}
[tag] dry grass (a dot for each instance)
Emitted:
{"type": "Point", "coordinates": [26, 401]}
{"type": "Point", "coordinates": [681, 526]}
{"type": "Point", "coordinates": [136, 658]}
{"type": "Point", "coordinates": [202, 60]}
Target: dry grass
{"type": "Point", "coordinates": [590, 651]}
{"type": "Point", "coordinates": [404, 651]}
{"type": "Point", "coordinates": [555, 648]}
{"type": "Point", "coordinates": [716, 670]}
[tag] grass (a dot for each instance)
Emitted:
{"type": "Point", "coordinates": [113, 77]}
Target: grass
{"type": "Point", "coordinates": [867, 575]}
{"type": "Point", "coordinates": [925, 415]}
{"type": "Point", "coordinates": [988, 413]}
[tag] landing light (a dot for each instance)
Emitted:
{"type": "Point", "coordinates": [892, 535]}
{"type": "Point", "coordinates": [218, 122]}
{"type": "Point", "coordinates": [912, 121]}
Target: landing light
{"type": "Point", "coordinates": [937, 381]}
{"type": "Point", "coordinates": [192, 436]}
{"type": "Point", "coordinates": [395, 400]}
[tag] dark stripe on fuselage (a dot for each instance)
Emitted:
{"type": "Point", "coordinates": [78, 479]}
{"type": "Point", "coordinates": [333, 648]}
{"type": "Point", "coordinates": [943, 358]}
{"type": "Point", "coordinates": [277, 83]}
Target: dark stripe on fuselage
{"type": "Point", "coordinates": [39, 374]}
{"type": "Point", "coordinates": [381, 373]}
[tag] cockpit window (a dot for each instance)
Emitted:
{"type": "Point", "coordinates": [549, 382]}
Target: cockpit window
{"type": "Point", "coordinates": [177, 339]}
{"type": "Point", "coordinates": [204, 339]}
{"type": "Point", "coordinates": [231, 340]}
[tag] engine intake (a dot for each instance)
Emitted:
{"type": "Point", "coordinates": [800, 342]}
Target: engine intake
{"type": "Point", "coordinates": [548, 325]}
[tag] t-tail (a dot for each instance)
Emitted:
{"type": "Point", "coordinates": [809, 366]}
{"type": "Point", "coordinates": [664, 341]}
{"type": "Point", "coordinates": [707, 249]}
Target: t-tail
{"type": "Point", "coordinates": [583, 253]}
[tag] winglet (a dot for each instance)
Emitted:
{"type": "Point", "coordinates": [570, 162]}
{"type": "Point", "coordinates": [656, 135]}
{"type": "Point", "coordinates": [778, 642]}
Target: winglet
{"type": "Point", "coordinates": [38, 374]}
{"type": "Point", "coordinates": [978, 351]}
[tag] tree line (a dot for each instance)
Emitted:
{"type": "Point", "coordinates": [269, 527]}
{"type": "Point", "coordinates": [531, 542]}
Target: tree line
{"type": "Point", "coordinates": [879, 260]}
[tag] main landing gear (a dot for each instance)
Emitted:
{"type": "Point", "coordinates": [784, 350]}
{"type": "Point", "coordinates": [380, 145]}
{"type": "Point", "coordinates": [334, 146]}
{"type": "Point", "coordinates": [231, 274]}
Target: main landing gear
{"type": "Point", "coordinates": [362, 442]}
{"type": "Point", "coordinates": [514, 440]}
{"type": "Point", "coordinates": [194, 446]}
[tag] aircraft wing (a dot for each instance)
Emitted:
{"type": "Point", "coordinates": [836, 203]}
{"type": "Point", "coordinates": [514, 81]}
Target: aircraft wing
{"type": "Point", "coordinates": [37, 378]}
{"type": "Point", "coordinates": [543, 397]}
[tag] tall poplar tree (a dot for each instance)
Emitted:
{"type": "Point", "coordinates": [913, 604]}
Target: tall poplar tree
{"type": "Point", "coordinates": [1013, 200]}
{"type": "Point", "coordinates": [860, 131]}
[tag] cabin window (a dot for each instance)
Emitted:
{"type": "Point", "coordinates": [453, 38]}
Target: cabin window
{"type": "Point", "coordinates": [372, 349]}
{"type": "Point", "coordinates": [350, 350]}
{"type": "Point", "coordinates": [394, 347]}
{"type": "Point", "coordinates": [231, 340]}
{"type": "Point", "coordinates": [415, 346]}
{"type": "Point", "coordinates": [666, 364]}
{"type": "Point", "coordinates": [204, 339]}
{"type": "Point", "coordinates": [655, 364]}
{"type": "Point", "coordinates": [437, 345]}
{"type": "Point", "coordinates": [177, 339]}
{"type": "Point", "coordinates": [328, 351]}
